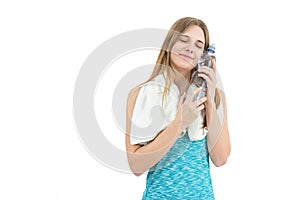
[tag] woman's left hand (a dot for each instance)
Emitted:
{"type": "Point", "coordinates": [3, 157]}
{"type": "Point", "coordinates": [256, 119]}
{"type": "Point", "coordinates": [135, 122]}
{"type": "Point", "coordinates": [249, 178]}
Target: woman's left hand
{"type": "Point", "coordinates": [209, 75]}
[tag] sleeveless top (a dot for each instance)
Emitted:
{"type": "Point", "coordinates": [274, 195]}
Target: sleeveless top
{"type": "Point", "coordinates": [183, 173]}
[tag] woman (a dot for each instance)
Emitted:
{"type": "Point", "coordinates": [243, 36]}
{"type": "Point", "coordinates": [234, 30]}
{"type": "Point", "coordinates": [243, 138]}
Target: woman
{"type": "Point", "coordinates": [171, 134]}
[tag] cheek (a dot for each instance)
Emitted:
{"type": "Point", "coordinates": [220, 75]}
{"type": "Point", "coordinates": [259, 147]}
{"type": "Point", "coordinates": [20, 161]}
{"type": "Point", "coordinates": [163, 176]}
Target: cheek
{"type": "Point", "coordinates": [174, 57]}
{"type": "Point", "coordinates": [197, 57]}
{"type": "Point", "coordinates": [176, 48]}
{"type": "Point", "coordinates": [178, 62]}
{"type": "Point", "coordinates": [196, 60]}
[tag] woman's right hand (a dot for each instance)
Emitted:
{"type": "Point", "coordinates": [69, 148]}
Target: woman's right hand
{"type": "Point", "coordinates": [188, 110]}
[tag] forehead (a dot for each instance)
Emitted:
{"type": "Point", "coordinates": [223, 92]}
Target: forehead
{"type": "Point", "coordinates": [195, 32]}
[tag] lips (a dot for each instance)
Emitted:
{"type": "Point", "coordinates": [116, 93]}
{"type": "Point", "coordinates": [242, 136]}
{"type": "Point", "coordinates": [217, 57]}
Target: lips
{"type": "Point", "coordinates": [186, 57]}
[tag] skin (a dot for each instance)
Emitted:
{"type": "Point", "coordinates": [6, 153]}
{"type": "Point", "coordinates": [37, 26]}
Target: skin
{"type": "Point", "coordinates": [187, 51]}
{"type": "Point", "coordinates": [184, 57]}
{"type": "Point", "coordinates": [185, 54]}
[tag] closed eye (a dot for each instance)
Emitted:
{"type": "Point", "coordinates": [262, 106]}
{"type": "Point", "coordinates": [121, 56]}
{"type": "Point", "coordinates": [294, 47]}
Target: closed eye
{"type": "Point", "coordinates": [199, 44]}
{"type": "Point", "coordinates": [184, 38]}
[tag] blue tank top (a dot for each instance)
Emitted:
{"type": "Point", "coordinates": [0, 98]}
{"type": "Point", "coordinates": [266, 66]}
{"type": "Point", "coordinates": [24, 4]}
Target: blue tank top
{"type": "Point", "coordinates": [182, 174]}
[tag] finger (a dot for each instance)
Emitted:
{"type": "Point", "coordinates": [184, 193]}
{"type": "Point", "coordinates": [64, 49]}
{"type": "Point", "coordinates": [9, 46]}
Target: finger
{"type": "Point", "coordinates": [205, 77]}
{"type": "Point", "coordinates": [181, 98]}
{"type": "Point", "coordinates": [201, 101]}
{"type": "Point", "coordinates": [201, 107]}
{"type": "Point", "coordinates": [209, 73]}
{"type": "Point", "coordinates": [209, 77]}
{"type": "Point", "coordinates": [214, 66]}
{"type": "Point", "coordinates": [205, 69]}
{"type": "Point", "coordinates": [192, 94]}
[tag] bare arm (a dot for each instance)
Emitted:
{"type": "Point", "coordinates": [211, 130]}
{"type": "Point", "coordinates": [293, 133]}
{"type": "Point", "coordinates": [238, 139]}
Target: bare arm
{"type": "Point", "coordinates": [141, 158]}
{"type": "Point", "coordinates": [218, 140]}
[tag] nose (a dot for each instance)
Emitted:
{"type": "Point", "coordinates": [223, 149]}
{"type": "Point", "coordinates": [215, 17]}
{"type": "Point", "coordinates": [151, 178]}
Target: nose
{"type": "Point", "coordinates": [189, 48]}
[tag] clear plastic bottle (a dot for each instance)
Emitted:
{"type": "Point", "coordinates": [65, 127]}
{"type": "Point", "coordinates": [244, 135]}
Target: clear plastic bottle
{"type": "Point", "coordinates": [205, 60]}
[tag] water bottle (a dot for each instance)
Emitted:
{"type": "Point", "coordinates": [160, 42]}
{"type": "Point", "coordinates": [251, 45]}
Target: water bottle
{"type": "Point", "coordinates": [205, 60]}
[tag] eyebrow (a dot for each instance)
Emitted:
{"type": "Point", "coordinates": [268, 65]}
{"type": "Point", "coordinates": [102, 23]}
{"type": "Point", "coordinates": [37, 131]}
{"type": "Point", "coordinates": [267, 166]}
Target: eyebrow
{"type": "Point", "coordinates": [189, 37]}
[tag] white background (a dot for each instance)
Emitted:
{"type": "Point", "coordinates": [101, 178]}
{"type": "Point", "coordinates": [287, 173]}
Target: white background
{"type": "Point", "coordinates": [44, 44]}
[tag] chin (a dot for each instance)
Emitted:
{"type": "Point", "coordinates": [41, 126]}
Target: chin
{"type": "Point", "coordinates": [182, 64]}
{"type": "Point", "coordinates": [183, 68]}
{"type": "Point", "coordinates": [187, 66]}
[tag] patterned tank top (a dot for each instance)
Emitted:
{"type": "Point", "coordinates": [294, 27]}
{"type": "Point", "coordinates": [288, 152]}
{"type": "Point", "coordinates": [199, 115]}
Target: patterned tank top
{"type": "Point", "coordinates": [182, 174]}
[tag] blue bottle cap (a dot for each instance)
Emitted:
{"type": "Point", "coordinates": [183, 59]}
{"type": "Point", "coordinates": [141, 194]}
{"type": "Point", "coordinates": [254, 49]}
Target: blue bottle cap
{"type": "Point", "coordinates": [211, 48]}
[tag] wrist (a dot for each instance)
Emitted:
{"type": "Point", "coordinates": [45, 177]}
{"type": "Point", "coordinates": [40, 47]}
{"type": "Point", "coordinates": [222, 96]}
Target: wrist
{"type": "Point", "coordinates": [213, 100]}
{"type": "Point", "coordinates": [178, 125]}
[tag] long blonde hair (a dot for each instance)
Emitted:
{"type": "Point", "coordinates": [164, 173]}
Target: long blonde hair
{"type": "Point", "coordinates": [163, 61]}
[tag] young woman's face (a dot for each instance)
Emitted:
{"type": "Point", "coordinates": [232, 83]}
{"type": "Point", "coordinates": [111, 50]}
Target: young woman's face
{"type": "Point", "coordinates": [188, 49]}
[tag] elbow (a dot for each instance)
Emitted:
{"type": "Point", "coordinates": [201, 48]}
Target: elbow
{"type": "Point", "coordinates": [219, 162]}
{"type": "Point", "coordinates": [137, 174]}
{"type": "Point", "coordinates": [136, 168]}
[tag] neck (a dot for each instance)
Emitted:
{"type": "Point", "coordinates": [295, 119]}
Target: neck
{"type": "Point", "coordinates": [180, 80]}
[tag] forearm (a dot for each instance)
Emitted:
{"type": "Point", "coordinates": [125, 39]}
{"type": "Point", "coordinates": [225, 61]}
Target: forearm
{"type": "Point", "coordinates": [219, 146]}
{"type": "Point", "coordinates": [214, 128]}
{"type": "Point", "coordinates": [218, 140]}
{"type": "Point", "coordinates": [144, 157]}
